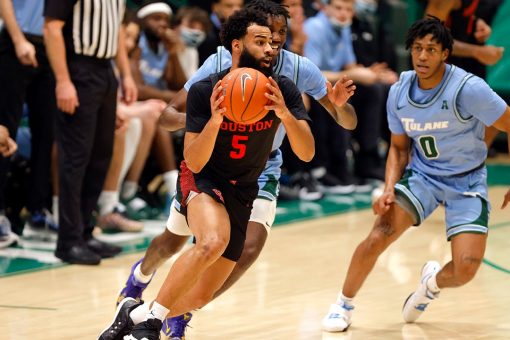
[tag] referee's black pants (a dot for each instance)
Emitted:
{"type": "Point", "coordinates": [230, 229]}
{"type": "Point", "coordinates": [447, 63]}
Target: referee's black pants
{"type": "Point", "coordinates": [85, 144]}
{"type": "Point", "coordinates": [21, 84]}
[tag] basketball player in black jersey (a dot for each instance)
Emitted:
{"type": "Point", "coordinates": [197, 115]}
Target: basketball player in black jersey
{"type": "Point", "coordinates": [216, 190]}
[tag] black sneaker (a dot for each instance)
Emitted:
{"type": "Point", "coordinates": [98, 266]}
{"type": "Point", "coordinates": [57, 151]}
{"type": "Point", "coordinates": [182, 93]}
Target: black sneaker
{"type": "Point", "coordinates": [304, 186]}
{"type": "Point", "coordinates": [147, 330]}
{"type": "Point", "coordinates": [122, 323]}
{"type": "Point", "coordinates": [330, 184]}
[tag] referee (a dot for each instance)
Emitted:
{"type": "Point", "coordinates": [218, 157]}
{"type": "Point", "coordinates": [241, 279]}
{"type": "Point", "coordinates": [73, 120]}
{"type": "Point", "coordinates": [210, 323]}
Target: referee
{"type": "Point", "coordinates": [82, 37]}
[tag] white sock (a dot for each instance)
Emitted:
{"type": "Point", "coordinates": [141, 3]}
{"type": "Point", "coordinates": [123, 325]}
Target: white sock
{"type": "Point", "coordinates": [139, 276]}
{"type": "Point", "coordinates": [54, 207]}
{"type": "Point", "coordinates": [139, 313]}
{"type": "Point", "coordinates": [343, 300]}
{"type": "Point", "coordinates": [432, 284]}
{"type": "Point", "coordinates": [158, 311]}
{"type": "Point", "coordinates": [170, 178]}
{"type": "Point", "coordinates": [129, 189]}
{"type": "Point", "coordinates": [107, 201]}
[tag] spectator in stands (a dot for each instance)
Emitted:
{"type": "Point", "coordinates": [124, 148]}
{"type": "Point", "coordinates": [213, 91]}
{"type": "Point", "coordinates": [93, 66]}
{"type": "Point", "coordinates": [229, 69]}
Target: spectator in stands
{"type": "Point", "coordinates": [373, 48]}
{"type": "Point", "coordinates": [329, 46]}
{"type": "Point", "coordinates": [131, 147]}
{"type": "Point", "coordinates": [296, 36]}
{"type": "Point", "coordinates": [220, 11]}
{"type": "Point", "coordinates": [470, 34]}
{"type": "Point", "coordinates": [191, 25]}
{"type": "Point", "coordinates": [156, 66]}
{"type": "Point", "coordinates": [25, 76]}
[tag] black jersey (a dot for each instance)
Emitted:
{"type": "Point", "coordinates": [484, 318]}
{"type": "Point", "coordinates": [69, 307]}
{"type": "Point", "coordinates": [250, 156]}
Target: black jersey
{"type": "Point", "coordinates": [241, 151]}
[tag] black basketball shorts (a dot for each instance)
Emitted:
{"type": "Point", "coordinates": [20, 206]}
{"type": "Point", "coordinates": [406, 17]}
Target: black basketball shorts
{"type": "Point", "coordinates": [236, 197]}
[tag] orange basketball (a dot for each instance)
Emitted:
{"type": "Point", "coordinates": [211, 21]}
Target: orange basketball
{"type": "Point", "coordinates": [244, 90]}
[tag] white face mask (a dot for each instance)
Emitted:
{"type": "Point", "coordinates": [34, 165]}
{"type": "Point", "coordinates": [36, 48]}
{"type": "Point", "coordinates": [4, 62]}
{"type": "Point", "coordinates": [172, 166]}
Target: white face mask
{"type": "Point", "coordinates": [192, 37]}
{"type": "Point", "coordinates": [365, 7]}
{"type": "Point", "coordinates": [339, 24]}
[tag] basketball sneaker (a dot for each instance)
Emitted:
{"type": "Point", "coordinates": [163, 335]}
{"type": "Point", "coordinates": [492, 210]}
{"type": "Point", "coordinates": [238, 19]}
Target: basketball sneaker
{"type": "Point", "coordinates": [118, 221]}
{"type": "Point", "coordinates": [338, 318]}
{"type": "Point", "coordinates": [147, 330]}
{"type": "Point", "coordinates": [122, 323]}
{"type": "Point", "coordinates": [417, 302]}
{"type": "Point", "coordinates": [174, 328]}
{"type": "Point", "coordinates": [133, 287]}
{"type": "Point", "coordinates": [7, 237]}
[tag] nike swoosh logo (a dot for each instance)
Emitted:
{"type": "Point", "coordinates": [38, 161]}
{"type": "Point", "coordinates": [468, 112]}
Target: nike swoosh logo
{"type": "Point", "coordinates": [244, 78]}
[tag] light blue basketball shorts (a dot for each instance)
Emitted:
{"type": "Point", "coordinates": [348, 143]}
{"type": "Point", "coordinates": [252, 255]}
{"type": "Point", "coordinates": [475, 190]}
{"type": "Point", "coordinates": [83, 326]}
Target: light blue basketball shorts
{"type": "Point", "coordinates": [464, 197]}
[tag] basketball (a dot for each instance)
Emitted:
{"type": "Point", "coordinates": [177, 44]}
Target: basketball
{"type": "Point", "coordinates": [244, 90]}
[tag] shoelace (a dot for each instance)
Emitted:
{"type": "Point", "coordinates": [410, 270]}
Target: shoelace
{"type": "Point", "coordinates": [179, 329]}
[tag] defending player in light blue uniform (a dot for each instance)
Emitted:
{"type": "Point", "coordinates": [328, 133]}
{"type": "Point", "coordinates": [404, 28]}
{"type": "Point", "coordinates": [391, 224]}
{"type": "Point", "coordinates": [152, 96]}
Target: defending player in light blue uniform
{"type": "Point", "coordinates": [309, 79]}
{"type": "Point", "coordinates": [437, 115]}
{"type": "Point", "coordinates": [461, 105]}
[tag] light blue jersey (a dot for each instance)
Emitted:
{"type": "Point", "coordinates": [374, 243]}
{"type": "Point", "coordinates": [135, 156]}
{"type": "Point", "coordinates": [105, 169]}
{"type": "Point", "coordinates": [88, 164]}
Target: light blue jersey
{"type": "Point", "coordinates": [446, 123]}
{"type": "Point", "coordinates": [29, 15]}
{"type": "Point", "coordinates": [308, 79]}
{"type": "Point", "coordinates": [152, 65]}
{"type": "Point", "coordinates": [446, 126]}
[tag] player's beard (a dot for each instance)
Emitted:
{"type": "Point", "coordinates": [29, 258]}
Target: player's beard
{"type": "Point", "coordinates": [248, 60]}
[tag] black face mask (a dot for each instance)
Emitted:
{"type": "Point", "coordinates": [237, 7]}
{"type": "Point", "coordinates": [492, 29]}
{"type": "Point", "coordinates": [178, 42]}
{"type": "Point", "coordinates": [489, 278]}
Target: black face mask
{"type": "Point", "coordinates": [247, 60]}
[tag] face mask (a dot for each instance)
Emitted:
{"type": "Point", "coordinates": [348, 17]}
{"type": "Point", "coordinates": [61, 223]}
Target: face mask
{"type": "Point", "coordinates": [365, 7]}
{"type": "Point", "coordinates": [192, 37]}
{"type": "Point", "coordinates": [338, 24]}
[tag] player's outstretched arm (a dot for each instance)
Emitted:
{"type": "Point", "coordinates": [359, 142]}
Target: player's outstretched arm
{"type": "Point", "coordinates": [198, 147]}
{"type": "Point", "coordinates": [298, 131]}
{"type": "Point", "coordinates": [336, 103]}
{"type": "Point", "coordinates": [173, 117]}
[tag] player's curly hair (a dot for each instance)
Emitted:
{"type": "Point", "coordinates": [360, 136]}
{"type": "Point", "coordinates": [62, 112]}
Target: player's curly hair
{"type": "Point", "coordinates": [237, 25]}
{"type": "Point", "coordinates": [274, 8]}
{"type": "Point", "coordinates": [430, 25]}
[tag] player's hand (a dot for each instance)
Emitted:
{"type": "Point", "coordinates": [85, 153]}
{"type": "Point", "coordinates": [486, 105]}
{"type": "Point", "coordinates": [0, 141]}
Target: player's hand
{"type": "Point", "coordinates": [129, 90]}
{"type": "Point", "coordinates": [7, 145]}
{"type": "Point", "coordinates": [489, 54]}
{"type": "Point", "coordinates": [482, 31]}
{"type": "Point", "coordinates": [217, 97]}
{"type": "Point", "coordinates": [25, 52]}
{"type": "Point", "coordinates": [277, 101]}
{"type": "Point", "coordinates": [339, 94]}
{"type": "Point", "coordinates": [67, 97]}
{"type": "Point", "coordinates": [383, 204]}
{"type": "Point", "coordinates": [506, 199]}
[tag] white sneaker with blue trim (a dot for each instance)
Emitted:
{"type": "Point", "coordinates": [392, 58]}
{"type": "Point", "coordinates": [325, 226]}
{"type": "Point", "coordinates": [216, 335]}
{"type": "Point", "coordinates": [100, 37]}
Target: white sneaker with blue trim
{"type": "Point", "coordinates": [338, 318]}
{"type": "Point", "coordinates": [417, 302]}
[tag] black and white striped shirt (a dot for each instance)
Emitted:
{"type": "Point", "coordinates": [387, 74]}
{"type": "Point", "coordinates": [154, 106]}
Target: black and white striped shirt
{"type": "Point", "coordinates": [91, 26]}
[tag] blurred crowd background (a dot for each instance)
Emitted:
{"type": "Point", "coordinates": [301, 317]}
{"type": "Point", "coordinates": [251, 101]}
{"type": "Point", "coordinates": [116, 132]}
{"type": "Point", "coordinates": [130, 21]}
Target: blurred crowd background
{"type": "Point", "coordinates": [165, 48]}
